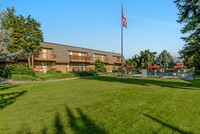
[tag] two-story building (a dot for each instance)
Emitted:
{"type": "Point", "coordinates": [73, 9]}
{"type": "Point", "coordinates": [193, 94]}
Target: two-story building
{"type": "Point", "coordinates": [67, 58]}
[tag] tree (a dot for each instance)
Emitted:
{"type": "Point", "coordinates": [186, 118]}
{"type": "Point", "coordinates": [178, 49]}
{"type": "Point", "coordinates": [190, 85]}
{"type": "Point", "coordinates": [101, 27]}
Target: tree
{"type": "Point", "coordinates": [33, 37]}
{"type": "Point", "coordinates": [189, 14]}
{"type": "Point", "coordinates": [99, 67]}
{"type": "Point", "coordinates": [26, 34]}
{"type": "Point", "coordinates": [5, 39]}
{"type": "Point", "coordinates": [165, 59]}
{"type": "Point", "coordinates": [134, 61]}
{"type": "Point", "coordinates": [147, 58]}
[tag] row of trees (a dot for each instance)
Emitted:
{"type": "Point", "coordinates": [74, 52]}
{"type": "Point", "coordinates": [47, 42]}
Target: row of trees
{"type": "Point", "coordinates": [147, 58]}
{"type": "Point", "coordinates": [21, 35]}
{"type": "Point", "coordinates": [189, 15]}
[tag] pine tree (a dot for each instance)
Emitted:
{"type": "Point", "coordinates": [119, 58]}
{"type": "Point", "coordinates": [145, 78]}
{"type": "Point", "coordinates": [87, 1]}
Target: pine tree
{"type": "Point", "coordinates": [165, 59]}
{"type": "Point", "coordinates": [189, 14]}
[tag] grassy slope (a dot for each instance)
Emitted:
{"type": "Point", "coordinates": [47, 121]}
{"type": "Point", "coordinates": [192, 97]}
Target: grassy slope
{"type": "Point", "coordinates": [101, 105]}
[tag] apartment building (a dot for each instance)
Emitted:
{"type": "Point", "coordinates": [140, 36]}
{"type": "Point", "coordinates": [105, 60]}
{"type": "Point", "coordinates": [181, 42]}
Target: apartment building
{"type": "Point", "coordinates": [67, 58]}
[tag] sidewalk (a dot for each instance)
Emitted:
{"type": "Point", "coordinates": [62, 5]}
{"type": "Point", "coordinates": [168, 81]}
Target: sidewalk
{"type": "Point", "coordinates": [8, 81]}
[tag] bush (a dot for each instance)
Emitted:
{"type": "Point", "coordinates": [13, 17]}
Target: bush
{"type": "Point", "coordinates": [84, 73]}
{"type": "Point", "coordinates": [51, 72]}
{"type": "Point", "coordinates": [67, 75]}
{"type": "Point", "coordinates": [23, 70]}
{"type": "Point", "coordinates": [6, 71]}
{"type": "Point", "coordinates": [44, 76]}
{"type": "Point", "coordinates": [99, 67]}
{"type": "Point", "coordinates": [197, 72]}
{"type": "Point", "coordinates": [23, 77]}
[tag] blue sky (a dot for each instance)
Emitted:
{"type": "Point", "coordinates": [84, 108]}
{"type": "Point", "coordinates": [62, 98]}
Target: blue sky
{"type": "Point", "coordinates": [96, 24]}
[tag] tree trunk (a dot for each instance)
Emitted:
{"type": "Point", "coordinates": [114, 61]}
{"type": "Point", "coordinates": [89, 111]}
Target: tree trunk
{"type": "Point", "coordinates": [32, 61]}
{"type": "Point", "coordinates": [29, 62]}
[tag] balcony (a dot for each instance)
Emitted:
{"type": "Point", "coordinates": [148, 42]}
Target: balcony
{"type": "Point", "coordinates": [118, 61]}
{"type": "Point", "coordinates": [45, 56]}
{"type": "Point", "coordinates": [104, 60]}
{"type": "Point", "coordinates": [76, 58]}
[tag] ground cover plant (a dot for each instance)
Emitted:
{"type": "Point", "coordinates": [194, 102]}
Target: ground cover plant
{"type": "Point", "coordinates": [101, 105]}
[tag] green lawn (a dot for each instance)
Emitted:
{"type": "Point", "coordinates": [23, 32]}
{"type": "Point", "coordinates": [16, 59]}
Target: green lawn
{"type": "Point", "coordinates": [101, 105]}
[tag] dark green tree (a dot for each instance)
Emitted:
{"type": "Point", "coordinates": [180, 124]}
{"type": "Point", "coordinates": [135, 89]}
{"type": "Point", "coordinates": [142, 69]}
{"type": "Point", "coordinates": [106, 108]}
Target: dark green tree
{"type": "Point", "coordinates": [26, 34]}
{"type": "Point", "coordinates": [165, 59]}
{"type": "Point", "coordinates": [147, 58]}
{"type": "Point", "coordinates": [134, 61]}
{"type": "Point", "coordinates": [189, 15]}
{"type": "Point", "coordinates": [32, 38]}
{"type": "Point", "coordinates": [99, 67]}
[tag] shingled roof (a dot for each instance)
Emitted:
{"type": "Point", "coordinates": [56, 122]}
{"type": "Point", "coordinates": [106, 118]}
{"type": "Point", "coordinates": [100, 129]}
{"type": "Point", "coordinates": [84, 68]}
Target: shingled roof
{"type": "Point", "coordinates": [61, 51]}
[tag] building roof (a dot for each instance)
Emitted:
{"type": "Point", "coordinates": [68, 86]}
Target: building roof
{"type": "Point", "coordinates": [82, 48]}
{"type": "Point", "coordinates": [61, 51]}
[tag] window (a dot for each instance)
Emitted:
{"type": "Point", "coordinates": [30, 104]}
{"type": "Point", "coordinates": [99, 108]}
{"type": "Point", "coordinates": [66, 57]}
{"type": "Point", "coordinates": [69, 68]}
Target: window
{"type": "Point", "coordinates": [47, 53]}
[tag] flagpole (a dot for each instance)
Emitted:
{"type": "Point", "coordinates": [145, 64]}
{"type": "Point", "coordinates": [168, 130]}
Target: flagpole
{"type": "Point", "coordinates": [122, 41]}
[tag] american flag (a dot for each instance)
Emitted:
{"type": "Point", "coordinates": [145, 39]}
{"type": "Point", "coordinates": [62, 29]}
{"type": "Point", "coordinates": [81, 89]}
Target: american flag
{"type": "Point", "coordinates": [124, 22]}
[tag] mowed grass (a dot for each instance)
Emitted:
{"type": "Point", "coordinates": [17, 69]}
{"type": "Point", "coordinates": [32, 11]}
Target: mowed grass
{"type": "Point", "coordinates": [101, 105]}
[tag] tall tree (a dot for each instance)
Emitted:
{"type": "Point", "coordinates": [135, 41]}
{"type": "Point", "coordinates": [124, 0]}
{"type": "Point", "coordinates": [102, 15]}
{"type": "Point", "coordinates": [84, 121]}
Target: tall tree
{"type": "Point", "coordinates": [165, 59]}
{"type": "Point", "coordinates": [134, 61]}
{"type": "Point", "coordinates": [147, 58]}
{"type": "Point", "coordinates": [189, 14]}
{"type": "Point", "coordinates": [33, 37]}
{"type": "Point", "coordinates": [5, 39]}
{"type": "Point", "coordinates": [26, 34]}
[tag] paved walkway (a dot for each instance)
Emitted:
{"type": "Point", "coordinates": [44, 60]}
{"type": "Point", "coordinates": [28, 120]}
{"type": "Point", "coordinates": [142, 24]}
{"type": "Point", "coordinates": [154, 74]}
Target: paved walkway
{"type": "Point", "coordinates": [7, 81]}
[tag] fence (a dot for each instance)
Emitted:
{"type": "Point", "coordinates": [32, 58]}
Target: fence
{"type": "Point", "coordinates": [187, 74]}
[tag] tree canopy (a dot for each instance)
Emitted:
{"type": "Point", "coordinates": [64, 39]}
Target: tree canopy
{"type": "Point", "coordinates": [165, 59]}
{"type": "Point", "coordinates": [189, 15]}
{"type": "Point", "coordinates": [145, 59]}
{"type": "Point", "coordinates": [26, 34]}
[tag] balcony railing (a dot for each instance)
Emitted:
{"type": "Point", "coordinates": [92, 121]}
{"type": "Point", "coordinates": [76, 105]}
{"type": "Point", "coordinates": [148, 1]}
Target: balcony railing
{"type": "Point", "coordinates": [77, 58]}
{"type": "Point", "coordinates": [105, 60]}
{"type": "Point", "coordinates": [45, 56]}
{"type": "Point", "coordinates": [118, 61]}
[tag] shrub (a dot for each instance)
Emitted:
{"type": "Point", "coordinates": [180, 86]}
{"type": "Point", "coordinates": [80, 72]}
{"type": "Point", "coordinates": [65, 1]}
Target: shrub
{"type": "Point", "coordinates": [99, 67]}
{"type": "Point", "coordinates": [84, 73]}
{"type": "Point", "coordinates": [6, 71]}
{"type": "Point", "coordinates": [44, 76]}
{"type": "Point", "coordinates": [51, 72]}
{"type": "Point", "coordinates": [67, 75]}
{"type": "Point", "coordinates": [23, 77]}
{"type": "Point", "coordinates": [23, 70]}
{"type": "Point", "coordinates": [197, 72]}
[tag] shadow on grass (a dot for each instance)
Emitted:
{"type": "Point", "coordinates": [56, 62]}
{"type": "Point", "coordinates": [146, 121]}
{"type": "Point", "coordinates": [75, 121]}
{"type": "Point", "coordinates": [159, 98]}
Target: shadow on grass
{"type": "Point", "coordinates": [146, 81]}
{"type": "Point", "coordinates": [9, 98]}
{"type": "Point", "coordinates": [7, 86]}
{"type": "Point", "coordinates": [58, 125]}
{"type": "Point", "coordinates": [83, 124]}
{"type": "Point", "coordinates": [164, 124]}
{"type": "Point", "coordinates": [79, 124]}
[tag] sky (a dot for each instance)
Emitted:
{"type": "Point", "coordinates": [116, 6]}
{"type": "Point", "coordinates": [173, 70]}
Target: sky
{"type": "Point", "coordinates": [96, 24]}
